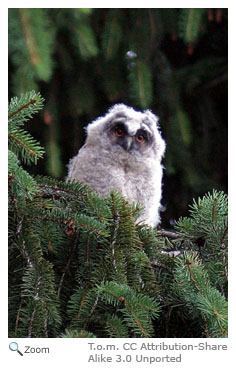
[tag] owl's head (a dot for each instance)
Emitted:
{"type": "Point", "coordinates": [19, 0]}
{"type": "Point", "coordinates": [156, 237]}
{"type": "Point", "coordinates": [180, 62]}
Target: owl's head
{"type": "Point", "coordinates": [129, 130]}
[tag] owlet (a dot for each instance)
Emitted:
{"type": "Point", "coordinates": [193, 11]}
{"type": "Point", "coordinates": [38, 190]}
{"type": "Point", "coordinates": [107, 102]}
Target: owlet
{"type": "Point", "coordinates": [123, 151]}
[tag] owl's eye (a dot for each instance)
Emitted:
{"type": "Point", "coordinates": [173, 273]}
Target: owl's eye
{"type": "Point", "coordinates": [140, 138]}
{"type": "Point", "coordinates": [119, 131]}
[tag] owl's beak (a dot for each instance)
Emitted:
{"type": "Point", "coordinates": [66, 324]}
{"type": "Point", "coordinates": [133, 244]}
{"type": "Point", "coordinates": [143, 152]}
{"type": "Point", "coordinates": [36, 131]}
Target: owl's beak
{"type": "Point", "coordinates": [127, 143]}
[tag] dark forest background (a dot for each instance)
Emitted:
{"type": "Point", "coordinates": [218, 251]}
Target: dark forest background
{"type": "Point", "coordinates": [172, 61]}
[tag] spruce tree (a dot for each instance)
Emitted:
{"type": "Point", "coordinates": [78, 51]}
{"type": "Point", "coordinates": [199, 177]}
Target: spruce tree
{"type": "Point", "coordinates": [79, 265]}
{"type": "Point", "coordinates": [170, 60]}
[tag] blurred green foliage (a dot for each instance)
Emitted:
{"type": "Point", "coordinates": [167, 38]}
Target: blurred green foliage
{"type": "Point", "coordinates": [173, 61]}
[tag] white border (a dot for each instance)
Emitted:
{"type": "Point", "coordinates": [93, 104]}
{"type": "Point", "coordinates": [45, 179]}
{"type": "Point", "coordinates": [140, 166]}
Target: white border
{"type": "Point", "coordinates": [72, 352]}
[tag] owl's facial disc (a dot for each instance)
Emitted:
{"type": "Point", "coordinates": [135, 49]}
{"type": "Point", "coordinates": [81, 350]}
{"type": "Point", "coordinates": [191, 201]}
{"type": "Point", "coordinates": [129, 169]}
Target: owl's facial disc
{"type": "Point", "coordinates": [133, 142]}
{"type": "Point", "coordinates": [120, 134]}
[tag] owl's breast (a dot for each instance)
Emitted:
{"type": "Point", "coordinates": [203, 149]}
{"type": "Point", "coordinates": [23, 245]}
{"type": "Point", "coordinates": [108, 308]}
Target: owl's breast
{"type": "Point", "coordinates": [133, 176]}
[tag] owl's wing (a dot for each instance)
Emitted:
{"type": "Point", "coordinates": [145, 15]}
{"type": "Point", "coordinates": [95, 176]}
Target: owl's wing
{"type": "Point", "coordinates": [74, 162]}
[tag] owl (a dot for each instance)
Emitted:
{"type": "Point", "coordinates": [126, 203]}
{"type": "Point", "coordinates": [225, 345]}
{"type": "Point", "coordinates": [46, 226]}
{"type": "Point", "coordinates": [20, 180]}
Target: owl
{"type": "Point", "coordinates": [123, 151]}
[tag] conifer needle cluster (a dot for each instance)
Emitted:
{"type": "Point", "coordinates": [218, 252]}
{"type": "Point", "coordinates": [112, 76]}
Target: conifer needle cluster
{"type": "Point", "coordinates": [79, 265]}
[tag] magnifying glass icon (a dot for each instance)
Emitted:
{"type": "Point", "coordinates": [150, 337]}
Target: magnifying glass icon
{"type": "Point", "coordinates": [14, 347]}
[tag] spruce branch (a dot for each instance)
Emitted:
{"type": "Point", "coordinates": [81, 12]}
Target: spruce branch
{"type": "Point", "coordinates": [114, 240]}
{"type": "Point", "coordinates": [72, 223]}
{"type": "Point", "coordinates": [21, 184]}
{"type": "Point", "coordinates": [66, 268]}
{"type": "Point", "coordinates": [190, 21]}
{"type": "Point", "coordinates": [21, 142]}
{"type": "Point", "coordinates": [34, 42]}
{"type": "Point", "coordinates": [55, 187]}
{"type": "Point", "coordinates": [32, 101]}
{"type": "Point", "coordinates": [140, 81]}
{"type": "Point", "coordinates": [28, 34]}
{"type": "Point", "coordinates": [115, 327]}
{"type": "Point", "coordinates": [77, 334]}
{"type": "Point", "coordinates": [112, 34]}
{"type": "Point", "coordinates": [18, 315]}
{"type": "Point", "coordinates": [196, 288]}
{"type": "Point", "coordinates": [169, 234]}
{"type": "Point", "coordinates": [24, 145]}
{"type": "Point", "coordinates": [20, 110]}
{"type": "Point", "coordinates": [137, 309]}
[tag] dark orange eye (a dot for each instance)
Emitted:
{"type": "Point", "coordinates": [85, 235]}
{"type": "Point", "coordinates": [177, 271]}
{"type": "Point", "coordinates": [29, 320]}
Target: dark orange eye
{"type": "Point", "coordinates": [119, 132]}
{"type": "Point", "coordinates": [140, 138]}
